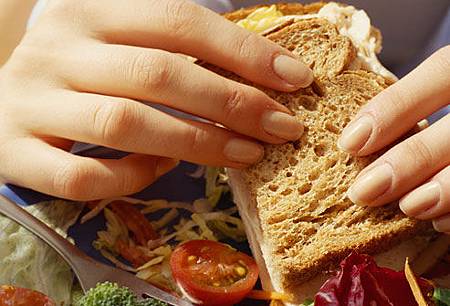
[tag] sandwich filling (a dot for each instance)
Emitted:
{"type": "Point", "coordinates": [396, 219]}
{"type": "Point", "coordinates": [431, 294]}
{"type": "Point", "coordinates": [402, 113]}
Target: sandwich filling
{"type": "Point", "coordinates": [349, 21]}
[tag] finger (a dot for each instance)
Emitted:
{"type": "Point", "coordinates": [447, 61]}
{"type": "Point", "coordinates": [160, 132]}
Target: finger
{"type": "Point", "coordinates": [162, 77]}
{"type": "Point", "coordinates": [404, 167]}
{"type": "Point", "coordinates": [39, 166]}
{"type": "Point", "coordinates": [398, 108]}
{"type": "Point", "coordinates": [184, 27]}
{"type": "Point", "coordinates": [133, 127]}
{"type": "Point", "coordinates": [431, 200]}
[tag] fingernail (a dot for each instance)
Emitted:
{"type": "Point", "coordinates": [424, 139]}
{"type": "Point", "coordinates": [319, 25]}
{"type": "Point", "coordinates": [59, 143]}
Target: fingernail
{"type": "Point", "coordinates": [165, 165]}
{"type": "Point", "coordinates": [371, 185]}
{"type": "Point", "coordinates": [243, 151]}
{"type": "Point", "coordinates": [355, 135]}
{"type": "Point", "coordinates": [292, 71]}
{"type": "Point", "coordinates": [282, 125]}
{"type": "Point", "coordinates": [442, 224]}
{"type": "Point", "coordinates": [421, 199]}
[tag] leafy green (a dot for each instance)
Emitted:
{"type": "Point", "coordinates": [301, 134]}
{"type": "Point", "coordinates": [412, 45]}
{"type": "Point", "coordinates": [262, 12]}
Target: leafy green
{"type": "Point", "coordinates": [216, 184]}
{"type": "Point", "coordinates": [308, 302]}
{"type": "Point", "coordinates": [441, 296]}
{"type": "Point", "coordinates": [111, 294]}
{"type": "Point", "coordinates": [26, 261]}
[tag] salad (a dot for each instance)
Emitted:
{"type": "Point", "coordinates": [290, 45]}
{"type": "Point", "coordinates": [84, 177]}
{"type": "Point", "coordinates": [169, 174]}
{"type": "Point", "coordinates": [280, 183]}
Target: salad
{"type": "Point", "coordinates": [176, 246]}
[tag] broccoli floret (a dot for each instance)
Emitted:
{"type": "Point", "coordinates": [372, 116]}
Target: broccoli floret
{"type": "Point", "coordinates": [111, 294]}
{"type": "Point", "coordinates": [151, 302]}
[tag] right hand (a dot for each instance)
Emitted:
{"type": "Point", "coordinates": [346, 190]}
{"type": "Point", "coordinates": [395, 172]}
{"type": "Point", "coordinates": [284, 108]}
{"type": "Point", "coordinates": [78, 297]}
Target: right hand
{"type": "Point", "coordinates": [78, 74]}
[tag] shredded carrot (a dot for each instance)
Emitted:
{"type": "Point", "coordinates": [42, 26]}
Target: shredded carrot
{"type": "Point", "coordinates": [415, 288]}
{"type": "Point", "coordinates": [135, 221]}
{"type": "Point", "coordinates": [130, 253]}
{"type": "Point", "coordinates": [269, 295]}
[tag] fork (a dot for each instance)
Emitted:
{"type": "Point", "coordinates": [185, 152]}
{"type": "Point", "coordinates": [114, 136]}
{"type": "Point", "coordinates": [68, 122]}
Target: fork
{"type": "Point", "coordinates": [88, 271]}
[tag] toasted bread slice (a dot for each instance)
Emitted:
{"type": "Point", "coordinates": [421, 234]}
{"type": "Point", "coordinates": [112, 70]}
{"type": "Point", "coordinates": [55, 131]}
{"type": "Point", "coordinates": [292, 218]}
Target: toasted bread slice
{"type": "Point", "coordinates": [298, 219]}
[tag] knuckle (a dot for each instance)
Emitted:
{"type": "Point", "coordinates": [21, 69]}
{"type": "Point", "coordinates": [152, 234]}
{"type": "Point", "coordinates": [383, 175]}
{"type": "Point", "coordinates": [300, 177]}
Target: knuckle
{"type": "Point", "coordinates": [179, 17]}
{"type": "Point", "coordinates": [113, 120]}
{"type": "Point", "coordinates": [152, 73]}
{"type": "Point", "coordinates": [417, 152]}
{"type": "Point", "coordinates": [244, 46]}
{"type": "Point", "coordinates": [395, 100]}
{"type": "Point", "coordinates": [69, 181]}
{"type": "Point", "coordinates": [194, 138]}
{"type": "Point", "coordinates": [233, 104]}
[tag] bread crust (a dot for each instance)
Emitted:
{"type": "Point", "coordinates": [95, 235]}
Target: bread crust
{"type": "Point", "coordinates": [305, 223]}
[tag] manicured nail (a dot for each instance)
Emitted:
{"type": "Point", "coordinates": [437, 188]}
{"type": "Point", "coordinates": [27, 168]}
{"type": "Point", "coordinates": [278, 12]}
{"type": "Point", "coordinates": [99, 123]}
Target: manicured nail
{"type": "Point", "coordinates": [371, 185]}
{"type": "Point", "coordinates": [282, 125]}
{"type": "Point", "coordinates": [243, 151]}
{"type": "Point", "coordinates": [355, 135]}
{"type": "Point", "coordinates": [165, 165]}
{"type": "Point", "coordinates": [292, 71]}
{"type": "Point", "coordinates": [442, 224]}
{"type": "Point", "coordinates": [421, 199]}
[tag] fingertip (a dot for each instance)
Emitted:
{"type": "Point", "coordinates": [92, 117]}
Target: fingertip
{"type": "Point", "coordinates": [164, 165]}
{"type": "Point", "coordinates": [293, 72]}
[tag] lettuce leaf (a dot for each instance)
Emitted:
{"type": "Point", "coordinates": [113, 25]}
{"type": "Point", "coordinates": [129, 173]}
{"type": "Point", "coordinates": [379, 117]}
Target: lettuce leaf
{"type": "Point", "coordinates": [216, 184]}
{"type": "Point", "coordinates": [27, 261]}
{"type": "Point", "coordinates": [441, 296]}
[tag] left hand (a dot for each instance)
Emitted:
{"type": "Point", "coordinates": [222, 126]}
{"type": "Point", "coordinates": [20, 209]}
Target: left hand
{"type": "Point", "coordinates": [417, 170]}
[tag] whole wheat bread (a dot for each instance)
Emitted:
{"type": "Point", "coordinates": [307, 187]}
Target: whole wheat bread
{"type": "Point", "coordinates": [298, 218]}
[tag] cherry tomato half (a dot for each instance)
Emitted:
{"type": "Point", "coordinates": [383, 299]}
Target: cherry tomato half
{"type": "Point", "coordinates": [15, 296]}
{"type": "Point", "coordinates": [212, 273]}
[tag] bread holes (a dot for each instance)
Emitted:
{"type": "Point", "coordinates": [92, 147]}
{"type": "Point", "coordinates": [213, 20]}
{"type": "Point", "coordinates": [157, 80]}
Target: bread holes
{"type": "Point", "coordinates": [349, 161]}
{"type": "Point", "coordinates": [308, 103]}
{"type": "Point", "coordinates": [273, 187]}
{"type": "Point", "coordinates": [288, 174]}
{"type": "Point", "coordinates": [297, 144]}
{"type": "Point", "coordinates": [293, 161]}
{"type": "Point", "coordinates": [304, 189]}
{"type": "Point", "coordinates": [333, 108]}
{"type": "Point", "coordinates": [331, 128]}
{"type": "Point", "coordinates": [320, 150]}
{"type": "Point", "coordinates": [331, 163]}
{"type": "Point", "coordinates": [286, 192]}
{"type": "Point", "coordinates": [314, 175]}
{"type": "Point", "coordinates": [317, 89]}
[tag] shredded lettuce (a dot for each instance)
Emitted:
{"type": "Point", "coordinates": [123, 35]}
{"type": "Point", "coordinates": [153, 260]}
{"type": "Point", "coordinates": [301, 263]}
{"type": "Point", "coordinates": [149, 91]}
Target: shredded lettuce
{"type": "Point", "coordinates": [216, 184]}
{"type": "Point", "coordinates": [308, 302]}
{"type": "Point", "coordinates": [29, 262]}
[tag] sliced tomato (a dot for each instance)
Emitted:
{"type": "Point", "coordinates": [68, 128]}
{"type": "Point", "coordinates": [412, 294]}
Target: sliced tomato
{"type": "Point", "coordinates": [15, 296]}
{"type": "Point", "coordinates": [212, 273]}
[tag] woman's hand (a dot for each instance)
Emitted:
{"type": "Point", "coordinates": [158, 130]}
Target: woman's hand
{"type": "Point", "coordinates": [417, 170]}
{"type": "Point", "coordinates": [79, 72]}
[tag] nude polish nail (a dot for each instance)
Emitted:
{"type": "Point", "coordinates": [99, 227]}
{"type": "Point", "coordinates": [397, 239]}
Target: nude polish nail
{"type": "Point", "coordinates": [293, 71]}
{"type": "Point", "coordinates": [282, 125]}
{"type": "Point", "coordinates": [356, 135]}
{"type": "Point", "coordinates": [243, 151]}
{"type": "Point", "coordinates": [420, 200]}
{"type": "Point", "coordinates": [442, 224]}
{"type": "Point", "coordinates": [371, 185]}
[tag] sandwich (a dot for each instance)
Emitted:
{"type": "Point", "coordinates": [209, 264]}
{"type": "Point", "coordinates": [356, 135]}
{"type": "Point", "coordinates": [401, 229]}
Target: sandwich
{"type": "Point", "coordinates": [298, 220]}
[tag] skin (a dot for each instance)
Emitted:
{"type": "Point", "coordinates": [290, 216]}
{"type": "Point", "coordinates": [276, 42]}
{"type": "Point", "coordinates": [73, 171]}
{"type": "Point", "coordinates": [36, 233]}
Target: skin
{"type": "Point", "coordinates": [78, 74]}
{"type": "Point", "coordinates": [418, 167]}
